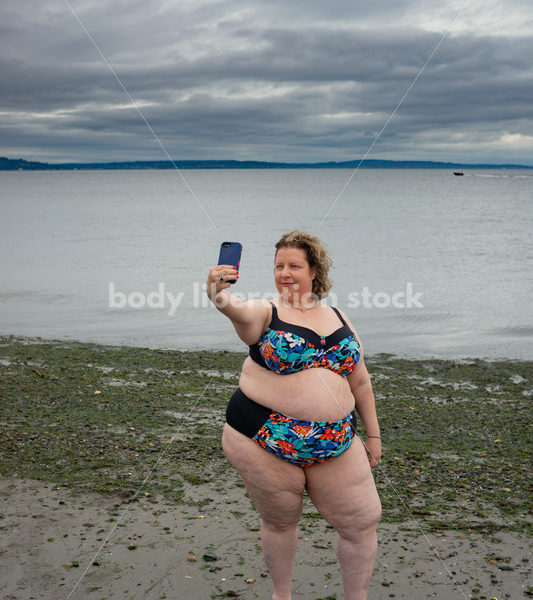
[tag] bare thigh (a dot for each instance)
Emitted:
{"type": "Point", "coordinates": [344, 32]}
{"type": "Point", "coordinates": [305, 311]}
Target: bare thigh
{"type": "Point", "coordinates": [343, 490]}
{"type": "Point", "coordinates": [275, 486]}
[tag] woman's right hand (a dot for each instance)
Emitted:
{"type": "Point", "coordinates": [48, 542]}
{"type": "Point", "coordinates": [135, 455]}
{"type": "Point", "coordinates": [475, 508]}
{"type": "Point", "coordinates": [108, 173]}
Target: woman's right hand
{"type": "Point", "coordinates": [218, 279]}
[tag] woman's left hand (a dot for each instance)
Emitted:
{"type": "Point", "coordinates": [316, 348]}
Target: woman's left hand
{"type": "Point", "coordinates": [373, 450]}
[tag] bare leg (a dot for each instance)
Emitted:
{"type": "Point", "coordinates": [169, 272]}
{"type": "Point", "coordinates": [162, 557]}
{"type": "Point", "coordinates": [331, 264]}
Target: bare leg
{"type": "Point", "coordinates": [344, 492]}
{"type": "Point", "coordinates": [356, 556]}
{"type": "Point", "coordinates": [276, 489]}
{"type": "Point", "coordinates": [279, 549]}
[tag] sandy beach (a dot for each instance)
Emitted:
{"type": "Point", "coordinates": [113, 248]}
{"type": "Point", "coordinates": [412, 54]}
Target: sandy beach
{"type": "Point", "coordinates": [58, 545]}
{"type": "Point", "coordinates": [98, 498]}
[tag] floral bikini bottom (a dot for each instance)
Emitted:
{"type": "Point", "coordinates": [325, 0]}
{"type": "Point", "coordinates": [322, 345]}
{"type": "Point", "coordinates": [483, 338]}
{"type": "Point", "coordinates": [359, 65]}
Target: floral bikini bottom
{"type": "Point", "coordinates": [303, 443]}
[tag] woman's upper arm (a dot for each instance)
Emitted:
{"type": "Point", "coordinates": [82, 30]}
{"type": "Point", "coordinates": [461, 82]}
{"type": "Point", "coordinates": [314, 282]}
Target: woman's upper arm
{"type": "Point", "coordinates": [359, 375]}
{"type": "Point", "coordinates": [253, 316]}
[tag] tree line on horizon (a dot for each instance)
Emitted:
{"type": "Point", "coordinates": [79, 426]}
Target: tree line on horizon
{"type": "Point", "coordinates": [20, 164]}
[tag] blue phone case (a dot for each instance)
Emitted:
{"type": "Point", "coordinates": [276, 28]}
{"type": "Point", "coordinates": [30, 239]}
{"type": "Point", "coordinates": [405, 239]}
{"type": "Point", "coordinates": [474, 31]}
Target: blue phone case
{"type": "Point", "coordinates": [230, 254]}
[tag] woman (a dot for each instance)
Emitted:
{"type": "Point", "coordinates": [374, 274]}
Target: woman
{"type": "Point", "coordinates": [286, 434]}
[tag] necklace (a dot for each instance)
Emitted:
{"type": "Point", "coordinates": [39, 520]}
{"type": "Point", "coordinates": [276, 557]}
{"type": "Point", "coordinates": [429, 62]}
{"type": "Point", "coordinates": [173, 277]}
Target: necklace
{"type": "Point", "coordinates": [306, 309]}
{"type": "Point", "coordinates": [303, 309]}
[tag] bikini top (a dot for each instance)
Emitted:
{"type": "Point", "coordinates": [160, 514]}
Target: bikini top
{"type": "Point", "coordinates": [288, 348]}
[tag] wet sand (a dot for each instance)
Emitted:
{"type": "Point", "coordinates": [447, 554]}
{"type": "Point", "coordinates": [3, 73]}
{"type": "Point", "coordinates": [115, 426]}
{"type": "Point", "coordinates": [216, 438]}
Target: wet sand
{"type": "Point", "coordinates": [58, 545]}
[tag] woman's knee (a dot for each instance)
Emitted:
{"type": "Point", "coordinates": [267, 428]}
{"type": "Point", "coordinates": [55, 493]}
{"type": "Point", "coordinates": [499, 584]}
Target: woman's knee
{"type": "Point", "coordinates": [279, 510]}
{"type": "Point", "coordinates": [359, 521]}
{"type": "Point", "coordinates": [279, 525]}
{"type": "Point", "coordinates": [374, 513]}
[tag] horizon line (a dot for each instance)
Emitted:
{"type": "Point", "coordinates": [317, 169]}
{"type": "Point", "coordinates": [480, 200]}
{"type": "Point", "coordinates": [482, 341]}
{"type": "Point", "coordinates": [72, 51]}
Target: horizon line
{"type": "Point", "coordinates": [5, 162]}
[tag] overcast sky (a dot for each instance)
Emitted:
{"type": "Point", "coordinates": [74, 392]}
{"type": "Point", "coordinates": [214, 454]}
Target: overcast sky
{"type": "Point", "coordinates": [288, 80]}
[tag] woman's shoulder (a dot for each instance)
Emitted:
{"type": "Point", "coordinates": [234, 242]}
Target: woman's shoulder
{"type": "Point", "coordinates": [265, 308]}
{"type": "Point", "coordinates": [259, 302]}
{"type": "Point", "coordinates": [335, 308]}
{"type": "Point", "coordinates": [261, 305]}
{"type": "Point", "coordinates": [340, 311]}
{"type": "Point", "coordinates": [346, 319]}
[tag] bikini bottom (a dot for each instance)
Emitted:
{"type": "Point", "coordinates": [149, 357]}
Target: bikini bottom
{"type": "Point", "coordinates": [303, 443]}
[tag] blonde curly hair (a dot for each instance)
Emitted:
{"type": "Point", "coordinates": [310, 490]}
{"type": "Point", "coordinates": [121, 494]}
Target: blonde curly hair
{"type": "Point", "coordinates": [317, 256]}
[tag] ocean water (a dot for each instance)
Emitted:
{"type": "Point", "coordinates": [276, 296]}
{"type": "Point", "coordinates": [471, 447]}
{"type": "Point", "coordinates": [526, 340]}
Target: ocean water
{"type": "Point", "coordinates": [425, 264]}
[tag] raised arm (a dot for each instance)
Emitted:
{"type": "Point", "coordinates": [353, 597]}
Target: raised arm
{"type": "Point", "coordinates": [248, 318]}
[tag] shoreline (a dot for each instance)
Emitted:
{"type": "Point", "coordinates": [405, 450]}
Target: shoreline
{"type": "Point", "coordinates": [88, 430]}
{"type": "Point", "coordinates": [37, 339]}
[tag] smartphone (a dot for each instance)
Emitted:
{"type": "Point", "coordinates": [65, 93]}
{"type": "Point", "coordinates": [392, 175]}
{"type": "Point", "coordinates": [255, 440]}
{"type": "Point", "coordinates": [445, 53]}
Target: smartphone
{"type": "Point", "coordinates": [230, 254]}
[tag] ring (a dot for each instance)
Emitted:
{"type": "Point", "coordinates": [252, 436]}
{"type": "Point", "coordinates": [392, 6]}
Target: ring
{"type": "Point", "coordinates": [221, 278]}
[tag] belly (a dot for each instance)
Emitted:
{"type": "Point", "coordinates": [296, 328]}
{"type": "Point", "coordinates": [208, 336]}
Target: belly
{"type": "Point", "coordinates": [316, 394]}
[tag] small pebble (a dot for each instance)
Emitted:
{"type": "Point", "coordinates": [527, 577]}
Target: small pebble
{"type": "Point", "coordinates": [191, 559]}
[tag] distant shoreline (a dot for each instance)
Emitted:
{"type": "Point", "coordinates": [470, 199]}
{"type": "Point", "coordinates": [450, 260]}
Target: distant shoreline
{"type": "Point", "coordinates": [19, 164]}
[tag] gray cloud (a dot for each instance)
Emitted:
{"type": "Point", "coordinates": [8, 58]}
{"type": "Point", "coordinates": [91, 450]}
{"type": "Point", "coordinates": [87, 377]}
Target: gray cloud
{"type": "Point", "coordinates": [271, 81]}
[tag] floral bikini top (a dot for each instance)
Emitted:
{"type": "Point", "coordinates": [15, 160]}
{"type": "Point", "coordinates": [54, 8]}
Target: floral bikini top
{"type": "Point", "coordinates": [288, 348]}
